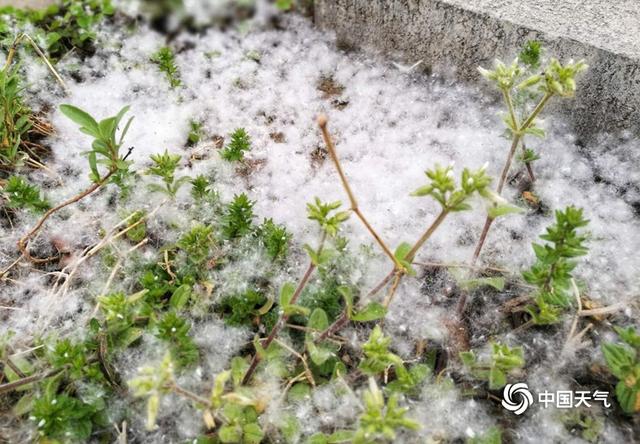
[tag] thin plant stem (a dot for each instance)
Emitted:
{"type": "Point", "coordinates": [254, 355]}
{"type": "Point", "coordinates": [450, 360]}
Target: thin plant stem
{"type": "Point", "coordinates": [188, 394]}
{"type": "Point", "coordinates": [517, 137]}
{"type": "Point", "coordinates": [322, 123]}
{"type": "Point", "coordinates": [411, 254]}
{"type": "Point", "coordinates": [426, 235]}
{"type": "Point", "coordinates": [392, 290]}
{"type": "Point", "coordinates": [282, 320]}
{"type": "Point", "coordinates": [22, 243]}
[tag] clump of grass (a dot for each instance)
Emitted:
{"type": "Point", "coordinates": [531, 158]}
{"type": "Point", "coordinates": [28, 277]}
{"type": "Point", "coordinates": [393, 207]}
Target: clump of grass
{"type": "Point", "coordinates": [239, 145]}
{"type": "Point", "coordinates": [502, 361]}
{"type": "Point", "coordinates": [195, 132]}
{"type": "Point", "coordinates": [15, 119]}
{"type": "Point", "coordinates": [551, 272]}
{"type": "Point", "coordinates": [238, 218]}
{"type": "Point", "coordinates": [275, 239]}
{"type": "Point", "coordinates": [166, 61]}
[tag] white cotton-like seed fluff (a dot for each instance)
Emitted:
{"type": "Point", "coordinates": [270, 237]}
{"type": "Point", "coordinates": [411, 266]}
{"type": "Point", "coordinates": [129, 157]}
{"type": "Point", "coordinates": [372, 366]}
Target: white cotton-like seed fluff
{"type": "Point", "coordinates": [392, 128]}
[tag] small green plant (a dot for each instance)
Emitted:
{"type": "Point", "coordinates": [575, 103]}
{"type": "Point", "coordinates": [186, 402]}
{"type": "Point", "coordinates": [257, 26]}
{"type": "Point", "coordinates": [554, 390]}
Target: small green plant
{"type": "Point", "coordinates": [380, 421]}
{"type": "Point", "coordinates": [174, 329]}
{"type": "Point", "coordinates": [324, 215]}
{"type": "Point", "coordinates": [378, 358]}
{"type": "Point", "coordinates": [106, 146]}
{"type": "Point", "coordinates": [238, 217]}
{"type": "Point", "coordinates": [502, 361]}
{"type": "Point", "coordinates": [138, 227]}
{"type": "Point", "coordinates": [240, 143]}
{"type": "Point", "coordinates": [61, 27]}
{"type": "Point", "coordinates": [62, 417]}
{"type": "Point", "coordinates": [526, 92]}
{"type": "Point", "coordinates": [153, 383]}
{"type": "Point", "coordinates": [105, 150]}
{"type": "Point", "coordinates": [166, 61]}
{"type": "Point", "coordinates": [623, 360]}
{"type": "Point", "coordinates": [21, 194]}
{"type": "Point", "coordinates": [201, 189]}
{"type": "Point", "coordinates": [242, 308]}
{"type": "Point", "coordinates": [551, 272]}
{"type": "Point", "coordinates": [164, 167]}
{"type": "Point", "coordinates": [195, 132]}
{"type": "Point", "coordinates": [15, 119]}
{"type": "Point", "coordinates": [275, 239]}
{"type": "Point", "coordinates": [197, 243]}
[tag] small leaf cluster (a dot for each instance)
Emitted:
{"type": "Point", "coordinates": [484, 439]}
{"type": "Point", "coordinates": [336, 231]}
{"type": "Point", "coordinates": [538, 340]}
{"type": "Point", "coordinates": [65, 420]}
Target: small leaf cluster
{"type": "Point", "coordinates": [239, 408]}
{"type": "Point", "coordinates": [275, 239]}
{"type": "Point", "coordinates": [21, 194]}
{"type": "Point", "coordinates": [503, 360]}
{"type": "Point", "coordinates": [195, 132]}
{"type": "Point", "coordinates": [451, 196]}
{"type": "Point", "coordinates": [15, 119]}
{"type": "Point", "coordinates": [62, 417]}
{"type": "Point", "coordinates": [174, 330]}
{"type": "Point", "coordinates": [380, 420]}
{"type": "Point", "coordinates": [62, 26]}
{"type": "Point", "coordinates": [623, 360]}
{"type": "Point", "coordinates": [239, 144]}
{"type": "Point", "coordinates": [556, 79]}
{"type": "Point", "coordinates": [324, 214]}
{"type": "Point", "coordinates": [201, 189]}
{"type": "Point", "coordinates": [164, 167]}
{"type": "Point", "coordinates": [152, 383]}
{"type": "Point", "coordinates": [551, 273]}
{"type": "Point", "coordinates": [166, 61]}
{"type": "Point", "coordinates": [378, 358]}
{"type": "Point", "coordinates": [105, 149]}
{"type": "Point", "coordinates": [242, 308]}
{"type": "Point", "coordinates": [238, 218]}
{"type": "Point", "coordinates": [197, 244]}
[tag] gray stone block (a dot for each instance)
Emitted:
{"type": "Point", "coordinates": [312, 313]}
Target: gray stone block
{"type": "Point", "coordinates": [454, 37]}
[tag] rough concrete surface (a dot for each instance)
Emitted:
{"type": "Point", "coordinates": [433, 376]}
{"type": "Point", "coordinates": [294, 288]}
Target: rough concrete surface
{"type": "Point", "coordinates": [26, 3]}
{"type": "Point", "coordinates": [453, 37]}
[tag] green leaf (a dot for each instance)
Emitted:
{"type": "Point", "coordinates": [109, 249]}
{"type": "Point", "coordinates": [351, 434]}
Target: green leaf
{"type": "Point", "coordinates": [627, 397]}
{"type": "Point", "coordinates": [318, 320]}
{"type": "Point", "coordinates": [497, 378]}
{"type": "Point", "coordinates": [402, 251]}
{"type": "Point", "coordinates": [348, 299]}
{"type": "Point", "coordinates": [286, 293]}
{"type": "Point", "coordinates": [401, 254]}
{"type": "Point", "coordinates": [229, 434]}
{"type": "Point", "coordinates": [371, 312]}
{"type": "Point", "coordinates": [319, 354]}
{"type": "Point", "coordinates": [180, 297]}
{"type": "Point", "coordinates": [252, 433]}
{"type": "Point", "coordinates": [496, 211]}
{"type": "Point", "coordinates": [293, 309]}
{"type": "Point", "coordinates": [82, 118]}
{"type": "Point", "coordinates": [468, 358]}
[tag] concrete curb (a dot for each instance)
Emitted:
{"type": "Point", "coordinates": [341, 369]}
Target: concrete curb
{"type": "Point", "coordinates": [454, 39]}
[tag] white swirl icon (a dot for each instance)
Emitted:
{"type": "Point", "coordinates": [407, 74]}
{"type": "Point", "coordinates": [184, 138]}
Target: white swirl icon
{"type": "Point", "coordinates": [519, 392]}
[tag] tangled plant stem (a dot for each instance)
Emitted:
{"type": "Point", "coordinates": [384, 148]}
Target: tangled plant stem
{"type": "Point", "coordinates": [24, 240]}
{"type": "Point", "coordinates": [282, 320]}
